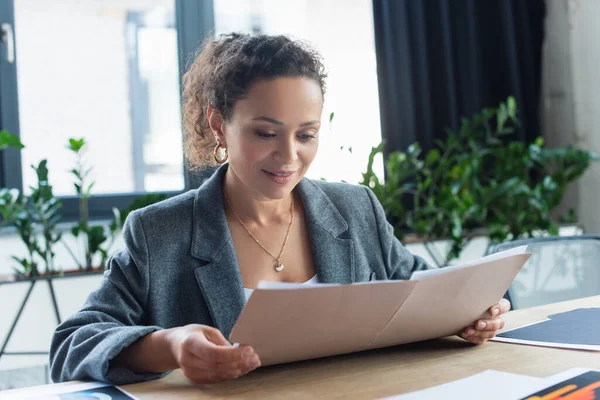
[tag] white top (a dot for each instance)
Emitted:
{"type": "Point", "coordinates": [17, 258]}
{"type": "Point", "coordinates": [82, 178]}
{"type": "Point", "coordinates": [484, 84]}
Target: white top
{"type": "Point", "coordinates": [314, 279]}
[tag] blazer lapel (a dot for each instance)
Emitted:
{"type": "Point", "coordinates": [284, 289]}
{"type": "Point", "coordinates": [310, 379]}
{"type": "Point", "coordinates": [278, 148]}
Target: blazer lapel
{"type": "Point", "coordinates": [333, 254]}
{"type": "Point", "coordinates": [219, 278]}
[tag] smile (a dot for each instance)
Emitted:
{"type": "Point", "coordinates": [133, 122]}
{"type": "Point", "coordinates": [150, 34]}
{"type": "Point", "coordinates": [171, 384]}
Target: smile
{"type": "Point", "coordinates": [279, 177]}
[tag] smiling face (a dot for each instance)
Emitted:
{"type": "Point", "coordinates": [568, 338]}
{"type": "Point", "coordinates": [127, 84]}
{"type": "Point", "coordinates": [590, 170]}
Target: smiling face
{"type": "Point", "coordinates": [272, 137]}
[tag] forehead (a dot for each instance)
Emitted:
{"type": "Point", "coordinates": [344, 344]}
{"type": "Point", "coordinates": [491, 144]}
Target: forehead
{"type": "Point", "coordinates": [284, 98]}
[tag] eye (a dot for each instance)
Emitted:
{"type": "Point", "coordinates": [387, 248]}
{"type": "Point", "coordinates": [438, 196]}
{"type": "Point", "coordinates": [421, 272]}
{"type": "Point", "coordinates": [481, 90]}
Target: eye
{"type": "Point", "coordinates": [305, 137]}
{"type": "Point", "coordinates": [265, 135]}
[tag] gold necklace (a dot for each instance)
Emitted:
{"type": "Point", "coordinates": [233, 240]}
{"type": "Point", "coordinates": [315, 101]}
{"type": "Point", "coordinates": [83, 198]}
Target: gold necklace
{"type": "Point", "coordinates": [278, 265]}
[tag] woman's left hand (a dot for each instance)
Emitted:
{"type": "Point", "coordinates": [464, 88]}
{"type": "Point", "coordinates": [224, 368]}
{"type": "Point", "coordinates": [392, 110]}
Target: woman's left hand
{"type": "Point", "coordinates": [484, 329]}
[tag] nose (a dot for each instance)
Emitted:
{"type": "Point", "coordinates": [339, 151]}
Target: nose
{"type": "Point", "coordinates": [286, 153]}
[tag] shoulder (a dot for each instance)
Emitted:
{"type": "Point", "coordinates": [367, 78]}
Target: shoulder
{"type": "Point", "coordinates": [181, 202]}
{"type": "Point", "coordinates": [338, 189]}
{"type": "Point", "coordinates": [344, 196]}
{"type": "Point", "coordinates": [172, 212]}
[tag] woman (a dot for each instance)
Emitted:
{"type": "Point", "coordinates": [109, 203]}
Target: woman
{"type": "Point", "coordinates": [170, 299]}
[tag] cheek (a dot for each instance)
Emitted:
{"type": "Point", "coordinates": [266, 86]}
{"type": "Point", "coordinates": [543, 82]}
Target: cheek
{"type": "Point", "coordinates": [309, 152]}
{"type": "Point", "coordinates": [248, 149]}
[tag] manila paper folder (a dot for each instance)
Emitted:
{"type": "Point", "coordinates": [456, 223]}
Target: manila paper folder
{"type": "Point", "coordinates": [285, 324]}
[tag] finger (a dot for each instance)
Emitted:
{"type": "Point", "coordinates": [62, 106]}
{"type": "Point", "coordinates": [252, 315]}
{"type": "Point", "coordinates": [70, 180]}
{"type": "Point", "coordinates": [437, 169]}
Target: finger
{"type": "Point", "coordinates": [245, 365]}
{"type": "Point", "coordinates": [504, 306]}
{"type": "Point", "coordinates": [208, 351]}
{"type": "Point", "coordinates": [472, 339]}
{"type": "Point", "coordinates": [494, 324]}
{"type": "Point", "coordinates": [468, 331]}
{"type": "Point", "coordinates": [500, 308]}
{"type": "Point", "coordinates": [477, 341]}
{"type": "Point", "coordinates": [215, 336]}
{"type": "Point", "coordinates": [483, 334]}
{"type": "Point", "coordinates": [219, 372]}
{"type": "Point", "coordinates": [494, 310]}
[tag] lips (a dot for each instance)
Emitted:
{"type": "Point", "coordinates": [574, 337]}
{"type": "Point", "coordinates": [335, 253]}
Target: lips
{"type": "Point", "coordinates": [280, 177]}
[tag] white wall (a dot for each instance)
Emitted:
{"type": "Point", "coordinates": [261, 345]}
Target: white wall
{"type": "Point", "coordinates": [570, 94]}
{"type": "Point", "coordinates": [584, 18]}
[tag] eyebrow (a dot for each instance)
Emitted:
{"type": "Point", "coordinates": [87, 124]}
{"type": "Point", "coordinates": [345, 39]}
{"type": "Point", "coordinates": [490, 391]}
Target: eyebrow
{"type": "Point", "coordinates": [274, 121]}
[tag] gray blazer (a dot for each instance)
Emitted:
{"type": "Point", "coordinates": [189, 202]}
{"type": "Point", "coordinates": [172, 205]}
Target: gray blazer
{"type": "Point", "coordinates": [179, 267]}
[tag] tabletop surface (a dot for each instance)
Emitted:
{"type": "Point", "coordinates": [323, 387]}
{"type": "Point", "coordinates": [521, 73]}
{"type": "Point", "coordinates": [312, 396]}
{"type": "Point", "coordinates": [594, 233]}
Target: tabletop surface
{"type": "Point", "coordinates": [388, 371]}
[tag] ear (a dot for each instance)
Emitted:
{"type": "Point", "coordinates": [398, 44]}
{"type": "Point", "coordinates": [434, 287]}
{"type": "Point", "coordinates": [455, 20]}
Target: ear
{"type": "Point", "coordinates": [217, 124]}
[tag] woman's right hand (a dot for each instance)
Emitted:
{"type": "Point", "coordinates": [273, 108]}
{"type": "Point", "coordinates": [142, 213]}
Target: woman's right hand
{"type": "Point", "coordinates": [205, 356]}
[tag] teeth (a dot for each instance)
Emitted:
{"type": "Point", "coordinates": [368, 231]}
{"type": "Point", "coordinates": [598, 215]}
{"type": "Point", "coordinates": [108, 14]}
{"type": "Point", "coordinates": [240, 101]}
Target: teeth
{"type": "Point", "coordinates": [281, 174]}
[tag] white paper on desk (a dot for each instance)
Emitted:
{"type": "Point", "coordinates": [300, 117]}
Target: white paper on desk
{"type": "Point", "coordinates": [548, 344]}
{"type": "Point", "coordinates": [47, 392]}
{"type": "Point", "coordinates": [568, 374]}
{"type": "Point", "coordinates": [562, 379]}
{"type": "Point", "coordinates": [492, 257]}
{"type": "Point", "coordinates": [488, 385]}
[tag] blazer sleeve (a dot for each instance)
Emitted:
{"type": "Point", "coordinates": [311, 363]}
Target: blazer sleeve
{"type": "Point", "coordinates": [399, 262]}
{"type": "Point", "coordinates": [111, 319]}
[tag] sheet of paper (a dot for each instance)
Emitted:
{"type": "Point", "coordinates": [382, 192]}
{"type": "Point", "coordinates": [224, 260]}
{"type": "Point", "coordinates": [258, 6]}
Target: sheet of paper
{"type": "Point", "coordinates": [575, 329]}
{"type": "Point", "coordinates": [576, 384]}
{"type": "Point", "coordinates": [561, 376]}
{"type": "Point", "coordinates": [488, 385]}
{"type": "Point", "coordinates": [291, 322]}
{"type": "Point", "coordinates": [92, 390]}
{"type": "Point", "coordinates": [492, 257]}
{"type": "Point", "coordinates": [444, 304]}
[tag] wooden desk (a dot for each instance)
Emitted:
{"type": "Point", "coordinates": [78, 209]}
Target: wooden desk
{"type": "Point", "coordinates": [389, 371]}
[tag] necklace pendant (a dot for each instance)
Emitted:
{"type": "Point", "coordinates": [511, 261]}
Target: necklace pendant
{"type": "Point", "coordinates": [279, 267]}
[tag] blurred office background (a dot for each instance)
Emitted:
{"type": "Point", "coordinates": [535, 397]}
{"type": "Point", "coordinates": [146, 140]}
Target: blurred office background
{"type": "Point", "coordinates": [400, 71]}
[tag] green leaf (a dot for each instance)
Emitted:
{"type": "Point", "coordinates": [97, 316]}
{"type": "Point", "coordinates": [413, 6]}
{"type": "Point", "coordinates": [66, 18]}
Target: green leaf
{"type": "Point", "coordinates": [76, 144]}
{"type": "Point", "coordinates": [89, 189]}
{"type": "Point", "coordinates": [512, 108]}
{"type": "Point", "coordinates": [432, 157]}
{"type": "Point", "coordinates": [96, 237]}
{"type": "Point", "coordinates": [8, 140]}
{"type": "Point", "coordinates": [331, 116]}
{"type": "Point", "coordinates": [501, 116]}
{"type": "Point", "coordinates": [76, 173]}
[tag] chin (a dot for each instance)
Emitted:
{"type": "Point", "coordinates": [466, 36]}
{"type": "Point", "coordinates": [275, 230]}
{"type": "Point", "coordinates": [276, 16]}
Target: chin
{"type": "Point", "coordinates": [278, 192]}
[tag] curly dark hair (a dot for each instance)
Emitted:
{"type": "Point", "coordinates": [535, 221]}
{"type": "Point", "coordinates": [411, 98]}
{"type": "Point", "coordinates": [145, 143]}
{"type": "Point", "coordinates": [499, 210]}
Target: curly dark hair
{"type": "Point", "coordinates": [223, 70]}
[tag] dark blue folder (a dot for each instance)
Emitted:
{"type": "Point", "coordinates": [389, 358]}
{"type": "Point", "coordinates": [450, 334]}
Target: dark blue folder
{"type": "Point", "coordinates": [580, 326]}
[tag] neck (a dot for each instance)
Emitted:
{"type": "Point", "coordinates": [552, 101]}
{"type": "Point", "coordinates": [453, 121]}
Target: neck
{"type": "Point", "coordinates": [252, 207]}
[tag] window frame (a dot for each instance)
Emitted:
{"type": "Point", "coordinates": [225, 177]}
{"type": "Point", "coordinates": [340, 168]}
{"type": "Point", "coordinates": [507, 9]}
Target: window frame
{"type": "Point", "coordinates": [194, 22]}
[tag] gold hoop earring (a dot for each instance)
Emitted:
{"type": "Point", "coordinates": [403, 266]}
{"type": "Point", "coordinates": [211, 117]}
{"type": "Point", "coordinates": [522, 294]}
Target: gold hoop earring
{"type": "Point", "coordinates": [223, 156]}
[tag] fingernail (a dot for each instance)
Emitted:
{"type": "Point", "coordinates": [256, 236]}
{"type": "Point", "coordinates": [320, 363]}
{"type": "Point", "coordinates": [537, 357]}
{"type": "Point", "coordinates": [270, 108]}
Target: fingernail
{"type": "Point", "coordinates": [495, 311]}
{"type": "Point", "coordinates": [470, 331]}
{"type": "Point", "coordinates": [247, 353]}
{"type": "Point", "coordinates": [481, 325]}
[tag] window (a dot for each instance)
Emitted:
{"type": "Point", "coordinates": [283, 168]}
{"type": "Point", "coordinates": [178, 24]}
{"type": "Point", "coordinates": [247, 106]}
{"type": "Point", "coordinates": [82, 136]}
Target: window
{"type": "Point", "coordinates": [105, 70]}
{"type": "Point", "coordinates": [110, 70]}
{"type": "Point", "coordinates": [342, 30]}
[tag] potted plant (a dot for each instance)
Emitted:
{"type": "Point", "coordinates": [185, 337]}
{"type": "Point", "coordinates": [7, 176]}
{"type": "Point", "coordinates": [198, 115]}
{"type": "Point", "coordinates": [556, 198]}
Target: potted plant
{"type": "Point", "coordinates": [41, 209]}
{"type": "Point", "coordinates": [35, 218]}
{"type": "Point", "coordinates": [477, 179]}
